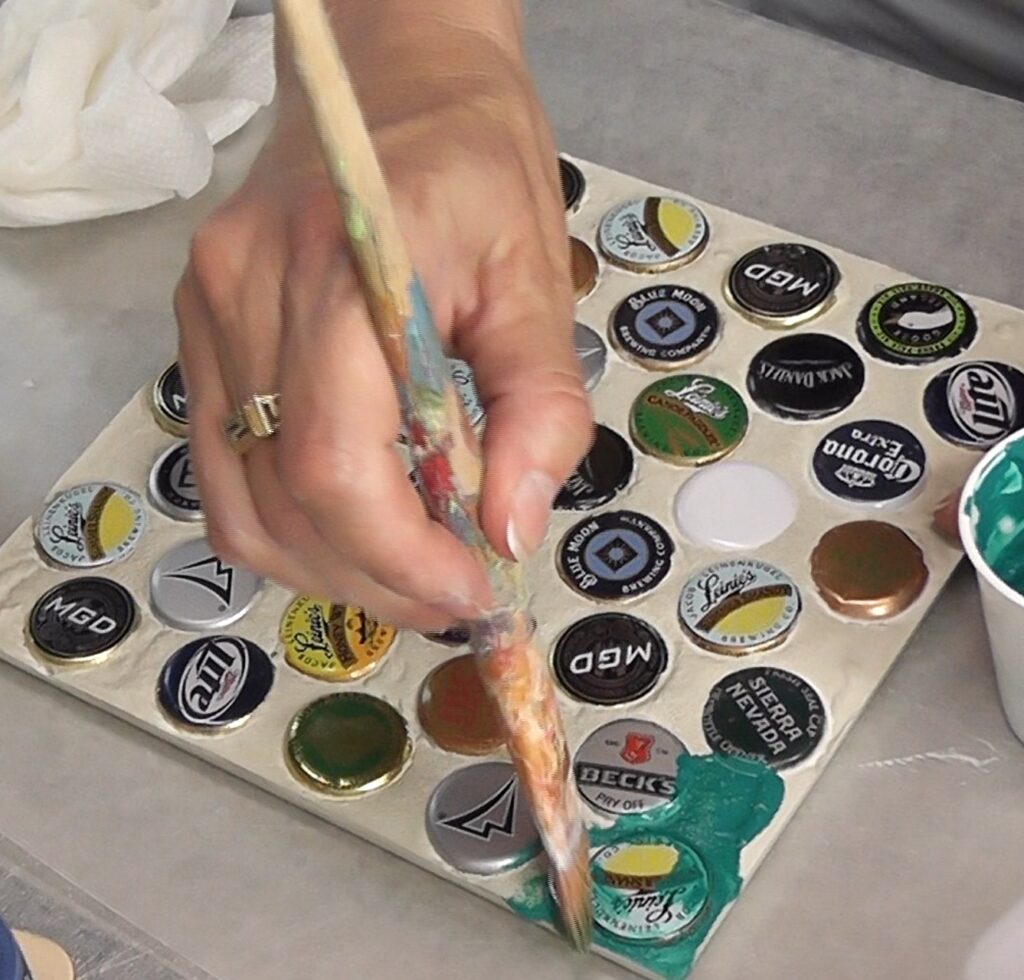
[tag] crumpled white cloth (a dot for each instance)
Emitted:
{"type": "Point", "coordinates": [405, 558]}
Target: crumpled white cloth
{"type": "Point", "coordinates": [113, 105]}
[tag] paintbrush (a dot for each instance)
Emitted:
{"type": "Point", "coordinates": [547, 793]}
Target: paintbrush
{"type": "Point", "coordinates": [447, 459]}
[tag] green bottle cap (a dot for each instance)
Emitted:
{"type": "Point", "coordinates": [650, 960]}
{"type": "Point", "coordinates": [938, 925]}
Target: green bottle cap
{"type": "Point", "coordinates": [348, 744]}
{"type": "Point", "coordinates": [688, 419]}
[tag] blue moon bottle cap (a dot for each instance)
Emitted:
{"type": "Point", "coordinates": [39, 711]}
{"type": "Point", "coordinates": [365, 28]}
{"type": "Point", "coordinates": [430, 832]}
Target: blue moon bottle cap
{"type": "Point", "coordinates": [479, 822]}
{"type": "Point", "coordinates": [214, 683]}
{"type": "Point", "coordinates": [615, 555]}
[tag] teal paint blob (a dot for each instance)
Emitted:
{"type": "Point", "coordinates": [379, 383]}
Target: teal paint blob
{"type": "Point", "coordinates": [996, 509]}
{"type": "Point", "coordinates": [721, 805]}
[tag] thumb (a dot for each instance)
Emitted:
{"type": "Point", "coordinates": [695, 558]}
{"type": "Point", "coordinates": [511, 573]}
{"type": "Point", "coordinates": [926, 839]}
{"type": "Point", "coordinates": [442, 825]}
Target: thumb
{"type": "Point", "coordinates": [539, 420]}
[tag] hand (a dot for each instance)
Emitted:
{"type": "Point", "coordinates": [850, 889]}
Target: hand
{"type": "Point", "coordinates": [269, 302]}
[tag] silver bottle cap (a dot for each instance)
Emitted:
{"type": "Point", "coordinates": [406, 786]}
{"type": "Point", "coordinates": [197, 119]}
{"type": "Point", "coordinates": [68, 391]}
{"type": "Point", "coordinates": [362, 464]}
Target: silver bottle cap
{"type": "Point", "coordinates": [592, 353]}
{"type": "Point", "coordinates": [192, 589]}
{"type": "Point", "coordinates": [628, 766]}
{"type": "Point", "coordinates": [479, 821]}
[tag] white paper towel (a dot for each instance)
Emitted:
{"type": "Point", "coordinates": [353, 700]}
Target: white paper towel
{"type": "Point", "coordinates": [113, 105]}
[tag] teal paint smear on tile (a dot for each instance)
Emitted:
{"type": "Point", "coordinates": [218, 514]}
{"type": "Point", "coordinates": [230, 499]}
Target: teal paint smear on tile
{"type": "Point", "coordinates": [721, 805]}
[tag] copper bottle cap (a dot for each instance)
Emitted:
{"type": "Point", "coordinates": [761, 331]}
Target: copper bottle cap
{"type": "Point", "coordinates": [584, 268]}
{"type": "Point", "coordinates": [455, 710]}
{"type": "Point", "coordinates": [868, 570]}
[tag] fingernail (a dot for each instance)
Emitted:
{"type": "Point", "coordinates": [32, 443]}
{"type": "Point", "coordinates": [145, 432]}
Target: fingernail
{"type": "Point", "coordinates": [460, 608]}
{"type": "Point", "coordinates": [530, 513]}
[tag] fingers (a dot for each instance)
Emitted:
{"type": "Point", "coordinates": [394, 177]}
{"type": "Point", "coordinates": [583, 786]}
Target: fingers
{"type": "Point", "coordinates": [235, 518]}
{"type": "Point", "coordinates": [539, 421]}
{"type": "Point", "coordinates": [336, 457]}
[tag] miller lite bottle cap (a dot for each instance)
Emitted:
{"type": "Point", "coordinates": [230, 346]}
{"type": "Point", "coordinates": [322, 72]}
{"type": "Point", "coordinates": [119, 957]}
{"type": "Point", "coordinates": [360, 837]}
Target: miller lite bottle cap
{"type": "Point", "coordinates": [81, 620]}
{"type": "Point", "coordinates": [214, 683]}
{"type": "Point", "coordinates": [348, 744]}
{"type": "Point", "coordinates": [479, 821]}
{"type": "Point", "coordinates": [975, 404]}
{"type": "Point", "coordinates": [628, 766]}
{"type": "Point", "coordinates": [192, 589]}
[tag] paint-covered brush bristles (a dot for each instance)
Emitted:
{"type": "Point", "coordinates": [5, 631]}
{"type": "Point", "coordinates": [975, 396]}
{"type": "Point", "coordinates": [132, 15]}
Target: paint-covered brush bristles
{"type": "Point", "coordinates": [447, 459]}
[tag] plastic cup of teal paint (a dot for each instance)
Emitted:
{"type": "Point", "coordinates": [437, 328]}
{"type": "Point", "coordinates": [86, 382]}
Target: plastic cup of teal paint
{"type": "Point", "coordinates": [992, 530]}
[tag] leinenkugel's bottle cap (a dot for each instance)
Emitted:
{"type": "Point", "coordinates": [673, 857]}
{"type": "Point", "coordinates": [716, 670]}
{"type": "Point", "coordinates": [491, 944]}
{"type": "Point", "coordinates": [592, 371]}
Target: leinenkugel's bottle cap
{"type": "Point", "coordinates": [653, 234]}
{"type": "Point", "coordinates": [331, 641]}
{"type": "Point", "coordinates": [91, 525]}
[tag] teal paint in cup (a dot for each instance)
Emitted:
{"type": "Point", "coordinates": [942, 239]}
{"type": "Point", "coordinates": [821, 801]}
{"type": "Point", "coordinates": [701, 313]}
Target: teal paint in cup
{"type": "Point", "coordinates": [992, 530]}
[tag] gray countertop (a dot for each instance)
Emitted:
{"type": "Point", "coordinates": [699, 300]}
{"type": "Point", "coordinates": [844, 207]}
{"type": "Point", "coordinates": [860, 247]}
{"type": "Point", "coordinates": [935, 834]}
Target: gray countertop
{"type": "Point", "coordinates": [905, 850]}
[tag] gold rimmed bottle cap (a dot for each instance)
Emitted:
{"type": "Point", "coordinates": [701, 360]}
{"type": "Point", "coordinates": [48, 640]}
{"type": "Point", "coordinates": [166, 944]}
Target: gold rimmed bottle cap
{"type": "Point", "coordinates": [333, 642]}
{"type": "Point", "coordinates": [653, 234]}
{"type": "Point", "coordinates": [868, 570]}
{"type": "Point", "coordinates": [688, 419]}
{"type": "Point", "coordinates": [348, 744]}
{"type": "Point", "coordinates": [782, 284]}
{"type": "Point", "coordinates": [456, 711]}
{"type": "Point", "coordinates": [169, 402]}
{"type": "Point", "coordinates": [583, 262]}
